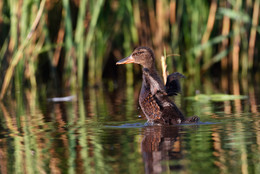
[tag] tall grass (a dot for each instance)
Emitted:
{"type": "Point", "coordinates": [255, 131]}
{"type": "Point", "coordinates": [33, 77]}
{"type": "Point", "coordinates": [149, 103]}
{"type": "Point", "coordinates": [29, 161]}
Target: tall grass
{"type": "Point", "coordinates": [78, 39]}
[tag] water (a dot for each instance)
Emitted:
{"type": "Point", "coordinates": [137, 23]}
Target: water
{"type": "Point", "coordinates": [105, 132]}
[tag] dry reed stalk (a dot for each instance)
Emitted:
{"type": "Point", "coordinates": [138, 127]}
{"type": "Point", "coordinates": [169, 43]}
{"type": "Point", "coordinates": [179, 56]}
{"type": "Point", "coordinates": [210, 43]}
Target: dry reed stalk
{"type": "Point", "coordinates": [225, 42]}
{"type": "Point", "coordinates": [59, 41]}
{"type": "Point", "coordinates": [211, 21]}
{"type": "Point", "coordinates": [37, 19]}
{"type": "Point", "coordinates": [164, 68]}
{"type": "Point", "coordinates": [235, 51]}
{"type": "Point", "coordinates": [173, 11]}
{"type": "Point", "coordinates": [165, 73]}
{"type": "Point", "coordinates": [209, 28]}
{"type": "Point", "coordinates": [158, 35]}
{"type": "Point", "coordinates": [161, 27]}
{"type": "Point", "coordinates": [152, 28]}
{"type": "Point", "coordinates": [1, 12]}
{"type": "Point", "coordinates": [236, 41]}
{"type": "Point", "coordinates": [225, 31]}
{"type": "Point", "coordinates": [253, 33]}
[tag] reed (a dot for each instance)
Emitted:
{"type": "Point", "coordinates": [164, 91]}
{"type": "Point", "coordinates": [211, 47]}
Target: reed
{"type": "Point", "coordinates": [18, 53]}
{"type": "Point", "coordinates": [79, 40]}
{"type": "Point", "coordinates": [207, 35]}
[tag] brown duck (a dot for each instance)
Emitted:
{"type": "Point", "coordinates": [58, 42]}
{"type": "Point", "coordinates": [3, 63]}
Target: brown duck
{"type": "Point", "coordinates": [154, 96]}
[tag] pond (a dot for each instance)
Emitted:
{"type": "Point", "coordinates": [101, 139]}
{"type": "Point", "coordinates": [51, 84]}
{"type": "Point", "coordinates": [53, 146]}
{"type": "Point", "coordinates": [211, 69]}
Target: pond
{"type": "Point", "coordinates": [103, 131]}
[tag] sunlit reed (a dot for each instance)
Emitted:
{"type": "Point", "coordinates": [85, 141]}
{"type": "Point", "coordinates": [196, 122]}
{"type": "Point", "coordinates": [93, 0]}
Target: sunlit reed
{"type": "Point", "coordinates": [80, 38]}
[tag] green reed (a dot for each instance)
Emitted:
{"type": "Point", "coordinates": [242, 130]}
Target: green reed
{"type": "Point", "coordinates": [88, 34]}
{"type": "Point", "coordinates": [79, 40]}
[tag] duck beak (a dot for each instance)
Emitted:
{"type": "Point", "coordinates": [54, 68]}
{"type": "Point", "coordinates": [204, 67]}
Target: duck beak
{"type": "Point", "coordinates": [126, 60]}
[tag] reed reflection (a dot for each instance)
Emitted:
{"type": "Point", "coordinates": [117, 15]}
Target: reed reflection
{"type": "Point", "coordinates": [39, 136]}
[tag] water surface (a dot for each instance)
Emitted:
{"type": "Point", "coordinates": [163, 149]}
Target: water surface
{"type": "Point", "coordinates": [100, 131]}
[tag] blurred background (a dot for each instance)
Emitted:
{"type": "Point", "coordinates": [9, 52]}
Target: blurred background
{"type": "Point", "coordinates": [52, 48]}
{"type": "Point", "coordinates": [71, 44]}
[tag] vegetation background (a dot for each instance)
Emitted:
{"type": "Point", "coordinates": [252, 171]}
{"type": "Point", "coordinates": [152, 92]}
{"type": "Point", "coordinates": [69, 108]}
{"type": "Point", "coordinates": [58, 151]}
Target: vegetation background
{"type": "Point", "coordinates": [51, 48]}
{"type": "Point", "coordinates": [72, 43]}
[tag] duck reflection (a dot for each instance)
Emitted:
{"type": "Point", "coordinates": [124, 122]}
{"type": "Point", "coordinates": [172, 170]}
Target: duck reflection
{"type": "Point", "coordinates": [161, 144]}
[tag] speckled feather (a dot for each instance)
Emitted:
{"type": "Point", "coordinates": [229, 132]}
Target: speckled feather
{"type": "Point", "coordinates": [155, 103]}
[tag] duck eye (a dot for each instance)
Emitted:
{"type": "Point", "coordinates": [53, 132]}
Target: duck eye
{"type": "Point", "coordinates": [138, 53]}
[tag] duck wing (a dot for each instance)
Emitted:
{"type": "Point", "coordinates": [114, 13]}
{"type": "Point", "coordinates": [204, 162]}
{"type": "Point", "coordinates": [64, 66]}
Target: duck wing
{"type": "Point", "coordinates": [173, 86]}
{"type": "Point", "coordinates": [157, 106]}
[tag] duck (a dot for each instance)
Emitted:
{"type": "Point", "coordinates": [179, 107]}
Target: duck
{"type": "Point", "coordinates": [154, 98]}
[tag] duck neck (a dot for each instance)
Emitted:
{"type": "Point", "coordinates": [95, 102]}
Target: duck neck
{"type": "Point", "coordinates": [151, 68]}
{"type": "Point", "coordinates": [151, 78]}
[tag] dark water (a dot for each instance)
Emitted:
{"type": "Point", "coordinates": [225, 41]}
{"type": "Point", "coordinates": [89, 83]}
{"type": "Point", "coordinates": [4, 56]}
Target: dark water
{"type": "Point", "coordinates": [102, 131]}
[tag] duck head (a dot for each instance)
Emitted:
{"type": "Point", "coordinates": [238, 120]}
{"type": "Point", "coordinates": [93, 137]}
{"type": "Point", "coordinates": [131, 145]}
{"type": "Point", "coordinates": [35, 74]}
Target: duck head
{"type": "Point", "coordinates": [141, 55]}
